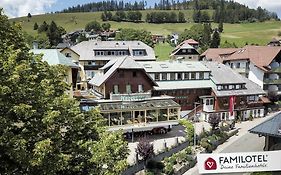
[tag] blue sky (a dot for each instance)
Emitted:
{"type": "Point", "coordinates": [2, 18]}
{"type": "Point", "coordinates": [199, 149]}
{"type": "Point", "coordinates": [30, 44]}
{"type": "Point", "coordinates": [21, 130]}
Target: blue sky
{"type": "Point", "coordinates": [16, 8]}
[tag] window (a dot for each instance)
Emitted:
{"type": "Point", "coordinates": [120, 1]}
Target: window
{"type": "Point", "coordinates": [115, 89]}
{"type": "Point", "coordinates": [172, 76]}
{"type": "Point", "coordinates": [223, 116]}
{"type": "Point", "coordinates": [186, 76]}
{"type": "Point", "coordinates": [91, 63]}
{"type": "Point", "coordinates": [206, 76]}
{"type": "Point", "coordinates": [238, 65]}
{"type": "Point", "coordinates": [128, 88]}
{"type": "Point", "coordinates": [134, 74]}
{"type": "Point", "coordinates": [211, 101]}
{"type": "Point", "coordinates": [101, 53]}
{"type": "Point", "coordinates": [231, 65]}
{"type": "Point", "coordinates": [193, 76]}
{"type": "Point", "coordinates": [157, 76]}
{"type": "Point", "coordinates": [92, 74]}
{"type": "Point", "coordinates": [140, 88]}
{"type": "Point", "coordinates": [201, 75]}
{"type": "Point", "coordinates": [225, 87]}
{"type": "Point", "coordinates": [179, 76]}
{"type": "Point", "coordinates": [207, 102]}
{"type": "Point", "coordinates": [68, 55]}
{"type": "Point", "coordinates": [164, 76]}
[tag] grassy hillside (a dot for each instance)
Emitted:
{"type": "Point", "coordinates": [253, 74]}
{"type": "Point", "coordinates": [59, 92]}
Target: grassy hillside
{"type": "Point", "coordinates": [72, 21]}
{"type": "Point", "coordinates": [259, 33]}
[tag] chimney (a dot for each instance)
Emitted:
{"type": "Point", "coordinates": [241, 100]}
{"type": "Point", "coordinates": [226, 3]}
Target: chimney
{"type": "Point", "coordinates": [35, 45]}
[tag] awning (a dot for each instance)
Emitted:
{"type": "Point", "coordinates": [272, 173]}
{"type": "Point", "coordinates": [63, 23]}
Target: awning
{"type": "Point", "coordinates": [265, 100]}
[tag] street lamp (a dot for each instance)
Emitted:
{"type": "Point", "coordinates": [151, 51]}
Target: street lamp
{"type": "Point", "coordinates": [194, 119]}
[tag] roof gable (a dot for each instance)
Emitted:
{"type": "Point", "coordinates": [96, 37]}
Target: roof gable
{"type": "Point", "coordinates": [123, 63]}
{"type": "Point", "coordinates": [261, 56]}
{"type": "Point", "coordinates": [54, 57]}
{"type": "Point", "coordinates": [270, 127]}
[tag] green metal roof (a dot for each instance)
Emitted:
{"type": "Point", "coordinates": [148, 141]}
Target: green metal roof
{"type": "Point", "coordinates": [54, 57]}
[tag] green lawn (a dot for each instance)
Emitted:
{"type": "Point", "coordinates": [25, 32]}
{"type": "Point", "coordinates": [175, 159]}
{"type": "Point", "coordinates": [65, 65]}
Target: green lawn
{"type": "Point", "coordinates": [259, 33]}
{"type": "Point", "coordinates": [163, 51]}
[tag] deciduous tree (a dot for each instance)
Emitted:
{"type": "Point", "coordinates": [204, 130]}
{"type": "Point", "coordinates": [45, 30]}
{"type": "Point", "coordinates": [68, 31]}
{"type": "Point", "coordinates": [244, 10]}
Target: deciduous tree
{"type": "Point", "coordinates": [42, 130]}
{"type": "Point", "coordinates": [132, 34]}
{"type": "Point", "coordinates": [93, 26]}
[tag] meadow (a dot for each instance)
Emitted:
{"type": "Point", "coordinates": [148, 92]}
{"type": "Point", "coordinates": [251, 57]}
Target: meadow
{"type": "Point", "coordinates": [252, 33]}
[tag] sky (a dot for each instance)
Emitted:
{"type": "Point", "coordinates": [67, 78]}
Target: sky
{"type": "Point", "coordinates": [17, 8]}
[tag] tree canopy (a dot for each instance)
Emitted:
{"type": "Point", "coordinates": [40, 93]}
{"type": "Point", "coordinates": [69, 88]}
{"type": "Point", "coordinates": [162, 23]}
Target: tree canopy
{"type": "Point", "coordinates": [93, 26]}
{"type": "Point", "coordinates": [42, 130]}
{"type": "Point", "coordinates": [132, 34]}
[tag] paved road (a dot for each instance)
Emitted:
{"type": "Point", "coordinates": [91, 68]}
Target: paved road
{"type": "Point", "coordinates": [247, 143]}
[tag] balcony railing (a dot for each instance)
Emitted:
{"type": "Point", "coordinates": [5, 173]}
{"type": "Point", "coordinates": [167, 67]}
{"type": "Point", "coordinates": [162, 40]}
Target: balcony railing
{"type": "Point", "coordinates": [92, 67]}
{"type": "Point", "coordinates": [267, 81]}
{"type": "Point", "coordinates": [276, 70]}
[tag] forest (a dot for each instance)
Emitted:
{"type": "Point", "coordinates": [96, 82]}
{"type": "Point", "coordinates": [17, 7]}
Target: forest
{"type": "Point", "coordinates": [231, 11]}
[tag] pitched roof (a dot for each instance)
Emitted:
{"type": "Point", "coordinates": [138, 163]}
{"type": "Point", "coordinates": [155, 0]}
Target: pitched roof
{"type": "Point", "coordinates": [184, 84]}
{"type": "Point", "coordinates": [86, 49]}
{"type": "Point", "coordinates": [120, 63]}
{"type": "Point", "coordinates": [218, 54]}
{"type": "Point", "coordinates": [191, 41]}
{"type": "Point", "coordinates": [54, 57]}
{"type": "Point", "coordinates": [222, 74]}
{"type": "Point", "coordinates": [183, 45]}
{"type": "Point", "coordinates": [271, 127]}
{"type": "Point", "coordinates": [261, 56]}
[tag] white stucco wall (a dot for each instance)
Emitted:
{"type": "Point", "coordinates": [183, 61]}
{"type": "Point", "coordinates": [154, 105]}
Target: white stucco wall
{"type": "Point", "coordinates": [256, 75]}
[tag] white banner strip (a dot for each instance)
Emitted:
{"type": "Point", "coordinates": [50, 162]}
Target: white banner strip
{"type": "Point", "coordinates": [239, 162]}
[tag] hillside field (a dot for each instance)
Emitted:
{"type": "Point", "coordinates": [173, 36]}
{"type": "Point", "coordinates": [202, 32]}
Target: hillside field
{"type": "Point", "coordinates": [257, 33]}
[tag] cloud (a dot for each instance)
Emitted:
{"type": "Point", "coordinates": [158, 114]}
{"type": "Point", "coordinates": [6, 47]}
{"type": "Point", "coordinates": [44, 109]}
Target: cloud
{"type": "Point", "coordinates": [270, 5]}
{"type": "Point", "coordinates": [17, 8]}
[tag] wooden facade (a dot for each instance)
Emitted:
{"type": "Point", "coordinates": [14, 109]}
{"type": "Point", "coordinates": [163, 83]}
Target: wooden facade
{"type": "Point", "coordinates": [124, 77]}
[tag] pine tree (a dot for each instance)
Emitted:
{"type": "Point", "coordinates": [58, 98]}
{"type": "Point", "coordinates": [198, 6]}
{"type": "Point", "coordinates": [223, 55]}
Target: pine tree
{"type": "Point", "coordinates": [35, 27]}
{"type": "Point", "coordinates": [29, 17]}
{"type": "Point", "coordinates": [43, 27]}
{"type": "Point", "coordinates": [207, 32]}
{"type": "Point", "coordinates": [220, 27]}
{"type": "Point", "coordinates": [222, 16]}
{"type": "Point", "coordinates": [215, 39]}
{"type": "Point", "coordinates": [181, 17]}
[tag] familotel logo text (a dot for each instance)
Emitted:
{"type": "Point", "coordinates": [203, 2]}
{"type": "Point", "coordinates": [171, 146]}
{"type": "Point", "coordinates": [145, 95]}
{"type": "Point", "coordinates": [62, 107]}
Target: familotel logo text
{"type": "Point", "coordinates": [239, 162]}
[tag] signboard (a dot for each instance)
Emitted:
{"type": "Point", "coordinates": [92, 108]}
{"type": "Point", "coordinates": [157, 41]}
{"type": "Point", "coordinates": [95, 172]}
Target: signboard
{"type": "Point", "coordinates": [131, 97]}
{"type": "Point", "coordinates": [239, 162]}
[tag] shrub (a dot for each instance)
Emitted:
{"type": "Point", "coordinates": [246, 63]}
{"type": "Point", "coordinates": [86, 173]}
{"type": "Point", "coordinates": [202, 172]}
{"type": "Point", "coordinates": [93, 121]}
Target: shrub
{"type": "Point", "coordinates": [191, 161]}
{"type": "Point", "coordinates": [154, 166]}
{"type": "Point", "coordinates": [188, 150]}
{"type": "Point", "coordinates": [205, 144]}
{"type": "Point", "coordinates": [181, 157]}
{"type": "Point", "coordinates": [169, 169]}
{"type": "Point", "coordinates": [189, 129]}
